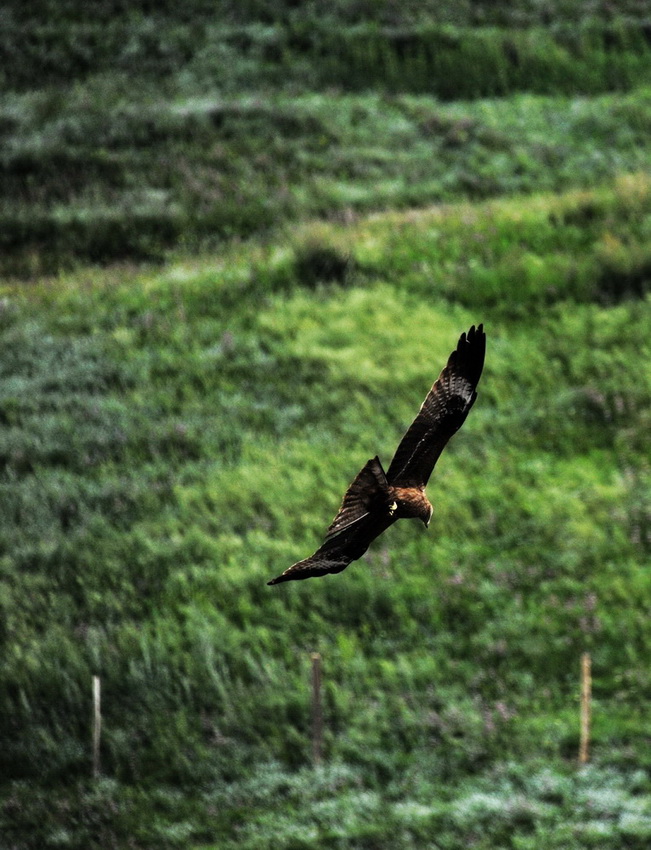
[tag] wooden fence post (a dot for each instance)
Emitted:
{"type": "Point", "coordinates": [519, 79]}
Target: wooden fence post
{"type": "Point", "coordinates": [97, 724]}
{"type": "Point", "coordinates": [317, 717]}
{"type": "Point", "coordinates": [586, 695]}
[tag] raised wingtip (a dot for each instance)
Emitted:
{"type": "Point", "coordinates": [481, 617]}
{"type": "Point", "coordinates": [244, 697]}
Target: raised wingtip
{"type": "Point", "coordinates": [473, 334]}
{"type": "Point", "coordinates": [470, 353]}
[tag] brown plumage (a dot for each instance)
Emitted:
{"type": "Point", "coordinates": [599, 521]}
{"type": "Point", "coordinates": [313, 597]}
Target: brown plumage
{"type": "Point", "coordinates": [375, 500]}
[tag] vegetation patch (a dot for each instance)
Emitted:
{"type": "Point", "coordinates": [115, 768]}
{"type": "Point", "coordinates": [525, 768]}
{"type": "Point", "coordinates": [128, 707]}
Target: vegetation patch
{"type": "Point", "coordinates": [317, 263]}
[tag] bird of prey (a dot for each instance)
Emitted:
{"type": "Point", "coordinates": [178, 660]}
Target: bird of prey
{"type": "Point", "coordinates": [375, 499]}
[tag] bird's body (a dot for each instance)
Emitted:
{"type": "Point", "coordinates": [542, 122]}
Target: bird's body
{"type": "Point", "coordinates": [375, 499]}
{"type": "Point", "coordinates": [412, 503]}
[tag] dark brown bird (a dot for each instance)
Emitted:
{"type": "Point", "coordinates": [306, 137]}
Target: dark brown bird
{"type": "Point", "coordinates": [375, 499]}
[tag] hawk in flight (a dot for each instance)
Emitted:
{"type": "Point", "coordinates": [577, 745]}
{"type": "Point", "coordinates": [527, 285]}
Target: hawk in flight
{"type": "Point", "coordinates": [375, 499]}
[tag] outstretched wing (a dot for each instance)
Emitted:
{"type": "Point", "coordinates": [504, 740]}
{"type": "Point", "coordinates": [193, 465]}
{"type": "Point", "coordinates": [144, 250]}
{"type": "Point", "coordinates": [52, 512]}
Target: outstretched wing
{"type": "Point", "coordinates": [442, 413]}
{"type": "Point", "coordinates": [337, 552]}
{"type": "Point", "coordinates": [319, 564]}
{"type": "Point", "coordinates": [365, 513]}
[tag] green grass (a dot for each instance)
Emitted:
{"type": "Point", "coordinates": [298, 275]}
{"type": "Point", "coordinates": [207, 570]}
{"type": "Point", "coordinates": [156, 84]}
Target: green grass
{"type": "Point", "coordinates": [331, 196]}
{"type": "Point", "coordinates": [130, 180]}
{"type": "Point", "coordinates": [173, 440]}
{"type": "Point", "coordinates": [131, 132]}
{"type": "Point", "coordinates": [564, 46]}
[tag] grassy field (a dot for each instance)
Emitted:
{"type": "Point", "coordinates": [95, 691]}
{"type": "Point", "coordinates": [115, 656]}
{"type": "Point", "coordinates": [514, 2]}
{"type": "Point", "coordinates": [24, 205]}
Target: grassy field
{"type": "Point", "coordinates": [130, 181]}
{"type": "Point", "coordinates": [172, 440]}
{"type": "Point", "coordinates": [129, 134]}
{"type": "Point", "coordinates": [175, 435]}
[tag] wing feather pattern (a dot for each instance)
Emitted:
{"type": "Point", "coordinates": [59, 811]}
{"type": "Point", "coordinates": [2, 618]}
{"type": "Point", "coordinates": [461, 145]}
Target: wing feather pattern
{"type": "Point", "coordinates": [442, 413]}
{"type": "Point", "coordinates": [337, 552]}
{"type": "Point", "coordinates": [364, 514]}
{"type": "Point", "coordinates": [368, 491]}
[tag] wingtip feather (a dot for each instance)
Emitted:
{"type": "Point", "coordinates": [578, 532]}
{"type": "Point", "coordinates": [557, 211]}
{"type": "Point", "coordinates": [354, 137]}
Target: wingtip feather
{"type": "Point", "coordinates": [471, 352]}
{"type": "Point", "coordinates": [278, 579]}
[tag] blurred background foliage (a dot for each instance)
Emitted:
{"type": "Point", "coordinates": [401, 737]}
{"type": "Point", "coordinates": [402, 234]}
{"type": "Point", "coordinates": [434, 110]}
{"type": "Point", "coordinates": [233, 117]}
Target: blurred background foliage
{"type": "Point", "coordinates": [127, 130]}
{"type": "Point", "coordinates": [290, 213]}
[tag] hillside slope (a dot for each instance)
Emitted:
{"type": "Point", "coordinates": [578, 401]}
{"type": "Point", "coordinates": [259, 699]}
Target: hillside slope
{"type": "Point", "coordinates": [309, 203]}
{"type": "Point", "coordinates": [128, 132]}
{"type": "Point", "coordinates": [172, 441]}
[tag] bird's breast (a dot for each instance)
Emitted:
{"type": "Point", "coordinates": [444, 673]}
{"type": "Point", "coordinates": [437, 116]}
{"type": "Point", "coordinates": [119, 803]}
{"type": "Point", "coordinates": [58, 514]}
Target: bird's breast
{"type": "Point", "coordinates": [411, 502]}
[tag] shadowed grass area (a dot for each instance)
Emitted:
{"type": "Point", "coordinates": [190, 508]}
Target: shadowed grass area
{"type": "Point", "coordinates": [452, 50]}
{"type": "Point", "coordinates": [132, 131]}
{"type": "Point", "coordinates": [212, 169]}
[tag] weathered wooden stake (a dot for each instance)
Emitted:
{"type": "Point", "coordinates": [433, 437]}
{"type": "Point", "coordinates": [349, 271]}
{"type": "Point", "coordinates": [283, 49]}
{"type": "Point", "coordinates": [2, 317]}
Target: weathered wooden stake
{"type": "Point", "coordinates": [586, 695]}
{"type": "Point", "coordinates": [317, 718]}
{"type": "Point", "coordinates": [97, 724]}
